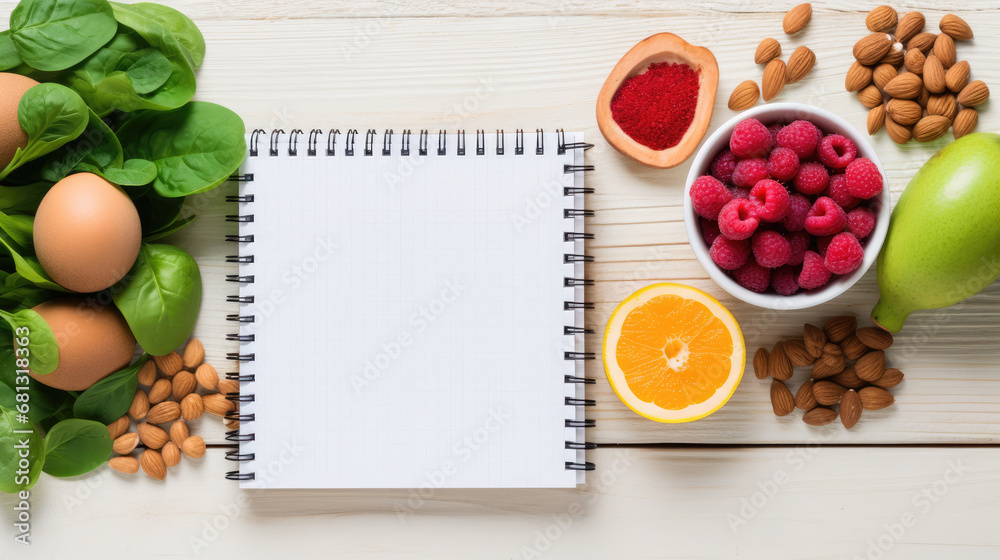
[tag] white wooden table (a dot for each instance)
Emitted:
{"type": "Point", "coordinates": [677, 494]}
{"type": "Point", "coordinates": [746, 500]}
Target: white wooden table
{"type": "Point", "coordinates": [918, 480]}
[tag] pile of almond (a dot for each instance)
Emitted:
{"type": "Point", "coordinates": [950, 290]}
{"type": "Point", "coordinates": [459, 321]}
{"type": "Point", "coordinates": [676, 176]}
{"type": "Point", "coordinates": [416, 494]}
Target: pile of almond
{"type": "Point", "coordinates": [848, 369]}
{"type": "Point", "coordinates": [167, 399]}
{"type": "Point", "coordinates": [777, 74]}
{"type": "Point", "coordinates": [912, 80]}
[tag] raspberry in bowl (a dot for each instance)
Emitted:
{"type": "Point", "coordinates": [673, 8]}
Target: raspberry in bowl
{"type": "Point", "coordinates": [786, 206]}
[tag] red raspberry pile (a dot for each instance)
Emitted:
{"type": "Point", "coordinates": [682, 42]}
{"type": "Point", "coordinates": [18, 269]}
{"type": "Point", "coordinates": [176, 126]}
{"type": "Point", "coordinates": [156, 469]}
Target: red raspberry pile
{"type": "Point", "coordinates": [786, 207]}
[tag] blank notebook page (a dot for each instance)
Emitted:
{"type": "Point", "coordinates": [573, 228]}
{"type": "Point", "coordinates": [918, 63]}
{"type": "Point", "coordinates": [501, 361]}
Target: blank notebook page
{"type": "Point", "coordinates": [409, 316]}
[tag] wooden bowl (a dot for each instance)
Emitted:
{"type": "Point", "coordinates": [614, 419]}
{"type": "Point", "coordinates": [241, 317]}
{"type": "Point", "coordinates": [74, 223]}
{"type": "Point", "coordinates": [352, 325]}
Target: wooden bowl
{"type": "Point", "coordinates": [662, 47]}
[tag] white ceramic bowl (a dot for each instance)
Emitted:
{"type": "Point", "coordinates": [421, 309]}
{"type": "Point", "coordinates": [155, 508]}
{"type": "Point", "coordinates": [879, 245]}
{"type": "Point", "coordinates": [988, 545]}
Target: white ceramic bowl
{"type": "Point", "coordinates": [769, 114]}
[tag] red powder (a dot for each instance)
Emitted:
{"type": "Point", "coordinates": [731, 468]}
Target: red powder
{"type": "Point", "coordinates": [656, 108]}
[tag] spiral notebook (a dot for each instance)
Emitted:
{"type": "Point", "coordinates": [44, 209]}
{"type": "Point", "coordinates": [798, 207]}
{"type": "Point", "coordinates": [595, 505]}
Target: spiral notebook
{"type": "Point", "coordinates": [411, 310]}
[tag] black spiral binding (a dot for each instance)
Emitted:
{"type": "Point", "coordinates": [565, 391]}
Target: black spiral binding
{"type": "Point", "coordinates": [562, 147]}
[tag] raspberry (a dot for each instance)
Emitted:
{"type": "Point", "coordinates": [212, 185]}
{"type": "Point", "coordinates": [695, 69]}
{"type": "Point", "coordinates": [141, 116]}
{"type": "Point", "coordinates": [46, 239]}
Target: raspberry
{"type": "Point", "coordinates": [708, 196]}
{"type": "Point", "coordinates": [723, 165]}
{"type": "Point", "coordinates": [825, 217]}
{"type": "Point", "coordinates": [740, 192]}
{"type": "Point", "coordinates": [782, 164]}
{"type": "Point", "coordinates": [770, 249]}
{"type": "Point", "coordinates": [783, 280]}
{"type": "Point", "coordinates": [837, 190]}
{"type": "Point", "coordinates": [861, 222]}
{"type": "Point", "coordinates": [749, 171]}
{"type": "Point", "coordinates": [709, 230]}
{"type": "Point", "coordinates": [774, 129]}
{"type": "Point", "coordinates": [753, 277]}
{"type": "Point", "coordinates": [844, 254]}
{"type": "Point", "coordinates": [771, 201]}
{"type": "Point", "coordinates": [737, 220]}
{"type": "Point", "coordinates": [814, 274]}
{"type": "Point", "coordinates": [822, 243]}
{"type": "Point", "coordinates": [812, 178]}
{"type": "Point", "coordinates": [801, 137]}
{"type": "Point", "coordinates": [796, 218]}
{"type": "Point", "coordinates": [729, 254]}
{"type": "Point", "coordinates": [863, 178]}
{"type": "Point", "coordinates": [750, 139]}
{"type": "Point", "coordinates": [799, 242]}
{"type": "Point", "coordinates": [836, 151]}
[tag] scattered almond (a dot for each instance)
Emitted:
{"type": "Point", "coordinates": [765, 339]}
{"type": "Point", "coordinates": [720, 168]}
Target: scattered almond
{"type": "Point", "coordinates": [153, 465]}
{"type": "Point", "coordinates": [858, 76]}
{"type": "Point", "coordinates": [921, 43]}
{"type": "Point", "coordinates": [192, 407]}
{"type": "Point", "coordinates": [194, 354]}
{"type": "Point", "coordinates": [839, 328]}
{"type": "Point", "coordinates": [207, 377]}
{"type": "Point", "coordinates": [909, 25]}
{"type": "Point", "coordinates": [904, 111]}
{"type": "Point", "coordinates": [183, 384]}
{"type": "Point", "coordinates": [944, 49]}
{"type": "Point", "coordinates": [814, 340]}
{"type": "Point", "coordinates": [125, 444]}
{"type": "Point", "coordinates": [976, 93]}
{"type": "Point", "coordinates": [872, 48]}
{"type": "Point", "coordinates": [871, 366]}
{"type": "Point", "coordinates": [876, 119]}
{"type": "Point", "coordinates": [965, 122]}
{"type": "Point", "coordinates": [164, 413]}
{"type": "Point", "coordinates": [179, 432]}
{"type": "Point", "coordinates": [957, 77]}
{"type": "Point", "coordinates": [853, 348]}
{"type": "Point", "coordinates": [140, 406]}
{"type": "Point", "coordinates": [943, 104]}
{"type": "Point", "coordinates": [822, 370]}
{"type": "Point", "coordinates": [147, 373]}
{"type": "Point", "coordinates": [881, 19]}
{"type": "Point", "coordinates": [127, 465]}
{"type": "Point", "coordinates": [782, 402]}
{"type": "Point", "coordinates": [194, 447]}
{"type": "Point", "coordinates": [955, 27]}
{"type": "Point", "coordinates": [151, 436]}
{"type": "Point", "coordinates": [229, 387]}
{"type": "Point", "coordinates": [119, 427]}
{"type": "Point", "coordinates": [883, 74]}
{"type": "Point", "coordinates": [744, 96]}
{"type": "Point", "coordinates": [831, 350]}
{"type": "Point", "coordinates": [170, 364]}
{"type": "Point", "coordinates": [767, 49]}
{"type": "Point", "coordinates": [778, 364]}
{"type": "Point", "coordinates": [895, 56]}
{"type": "Point", "coordinates": [819, 416]}
{"type": "Point", "coordinates": [774, 79]}
{"type": "Point", "coordinates": [875, 338]}
{"type": "Point", "coordinates": [827, 392]}
{"type": "Point", "coordinates": [796, 19]}
{"type": "Point", "coordinates": [799, 64]}
{"type": "Point", "coordinates": [889, 379]}
{"type": "Point", "coordinates": [904, 86]}
{"type": "Point", "coordinates": [850, 409]}
{"type": "Point", "coordinates": [934, 75]}
{"type": "Point", "coordinates": [913, 61]}
{"type": "Point", "coordinates": [931, 128]}
{"type": "Point", "coordinates": [797, 353]}
{"type": "Point", "coordinates": [160, 391]}
{"type": "Point", "coordinates": [899, 134]}
{"type": "Point", "coordinates": [233, 424]}
{"type": "Point", "coordinates": [217, 404]}
{"type": "Point", "coordinates": [849, 379]}
{"type": "Point", "coordinates": [804, 398]}
{"type": "Point", "coordinates": [875, 398]}
{"type": "Point", "coordinates": [760, 363]}
{"type": "Point", "coordinates": [870, 96]}
{"type": "Point", "coordinates": [171, 454]}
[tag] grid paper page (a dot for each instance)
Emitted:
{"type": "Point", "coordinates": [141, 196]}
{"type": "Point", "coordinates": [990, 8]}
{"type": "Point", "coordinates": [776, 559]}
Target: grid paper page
{"type": "Point", "coordinates": [408, 316]}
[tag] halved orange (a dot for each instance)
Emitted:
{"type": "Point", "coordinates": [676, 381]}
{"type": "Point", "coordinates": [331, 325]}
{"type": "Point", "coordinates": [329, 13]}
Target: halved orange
{"type": "Point", "coordinates": [673, 353]}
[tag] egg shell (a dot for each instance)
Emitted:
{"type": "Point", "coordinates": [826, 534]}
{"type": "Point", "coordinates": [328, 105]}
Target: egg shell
{"type": "Point", "coordinates": [87, 233]}
{"type": "Point", "coordinates": [12, 136]}
{"type": "Point", "coordinates": [94, 341]}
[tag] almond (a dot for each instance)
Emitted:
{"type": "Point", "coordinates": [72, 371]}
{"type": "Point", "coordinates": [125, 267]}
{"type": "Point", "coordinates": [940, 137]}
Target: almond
{"type": "Point", "coordinates": [921, 43]}
{"type": "Point", "coordinates": [831, 350]}
{"type": "Point", "coordinates": [183, 384]}
{"type": "Point", "coordinates": [858, 76]}
{"type": "Point", "coordinates": [760, 363]}
{"type": "Point", "coordinates": [125, 444]}
{"type": "Point", "coordinates": [909, 25]}
{"type": "Point", "coordinates": [799, 64]}
{"type": "Point", "coordinates": [943, 104]}
{"type": "Point", "coordinates": [924, 96]}
{"type": "Point", "coordinates": [895, 56]}
{"type": "Point", "coordinates": [875, 398]}
{"type": "Point", "coordinates": [164, 413]}
{"type": "Point", "coordinates": [140, 406]}
{"type": "Point", "coordinates": [965, 122]}
{"type": "Point", "coordinates": [850, 409]}
{"type": "Point", "coordinates": [804, 398]}
{"type": "Point", "coordinates": [881, 19]}
{"type": "Point", "coordinates": [905, 86]}
{"type": "Point", "coordinates": [778, 364]}
{"type": "Point", "coordinates": [194, 447]}
{"type": "Point", "coordinates": [839, 328]}
{"type": "Point", "coordinates": [876, 119]}
{"type": "Point", "coordinates": [889, 379]}
{"type": "Point", "coordinates": [899, 134]}
{"type": "Point", "coordinates": [797, 18]}
{"type": "Point", "coordinates": [217, 404]}
{"type": "Point", "coordinates": [119, 427]}
{"type": "Point", "coordinates": [883, 74]}
{"type": "Point", "coordinates": [194, 354]}
{"type": "Point", "coordinates": [934, 75]}
{"type": "Point", "coordinates": [931, 128]}
{"type": "Point", "coordinates": [875, 338]}
{"type": "Point", "coordinates": [782, 402]}
{"type": "Point", "coordinates": [767, 49]}
{"type": "Point", "coordinates": [914, 61]}
{"type": "Point", "coordinates": [944, 49]}
{"type": "Point", "coordinates": [871, 366]}
{"type": "Point", "coordinates": [827, 392]}
{"type": "Point", "coordinates": [957, 77]}
{"type": "Point", "coordinates": [151, 436]}
{"type": "Point", "coordinates": [822, 370]}
{"type": "Point", "coordinates": [774, 79]}
{"type": "Point", "coordinates": [904, 111]}
{"type": "Point", "coordinates": [744, 96]}
{"type": "Point", "coordinates": [870, 96]}
{"type": "Point", "coordinates": [872, 48]}
{"type": "Point", "coordinates": [127, 465]}
{"type": "Point", "coordinates": [192, 407]}
{"type": "Point", "coordinates": [853, 348]}
{"type": "Point", "coordinates": [849, 379]}
{"type": "Point", "coordinates": [160, 391]}
{"type": "Point", "coordinates": [229, 387]}
{"type": "Point", "coordinates": [153, 465]}
{"type": "Point", "coordinates": [976, 93]}
{"type": "Point", "coordinates": [207, 377]}
{"type": "Point", "coordinates": [170, 364]}
{"type": "Point", "coordinates": [797, 353]}
{"type": "Point", "coordinates": [814, 339]}
{"type": "Point", "coordinates": [179, 432]}
{"type": "Point", "coordinates": [171, 454]}
{"type": "Point", "coordinates": [233, 424]}
{"type": "Point", "coordinates": [147, 373]}
{"type": "Point", "coordinates": [819, 416]}
{"type": "Point", "coordinates": [955, 27]}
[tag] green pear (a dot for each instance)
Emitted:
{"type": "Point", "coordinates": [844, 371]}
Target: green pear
{"type": "Point", "coordinates": [944, 233]}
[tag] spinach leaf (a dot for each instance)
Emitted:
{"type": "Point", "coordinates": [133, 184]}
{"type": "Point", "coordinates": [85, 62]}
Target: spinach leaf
{"type": "Point", "coordinates": [110, 398]}
{"type": "Point", "coordinates": [43, 350]}
{"type": "Point", "coordinates": [19, 227]}
{"type": "Point", "coordinates": [27, 265]}
{"type": "Point", "coordinates": [170, 229]}
{"type": "Point", "coordinates": [135, 172]}
{"type": "Point", "coordinates": [96, 147]}
{"type": "Point", "coordinates": [195, 148]}
{"type": "Point", "coordinates": [44, 401]}
{"type": "Point", "coordinates": [155, 212]}
{"type": "Point", "coordinates": [14, 478]}
{"type": "Point", "coordinates": [51, 115]}
{"type": "Point", "coordinates": [54, 35]}
{"type": "Point", "coordinates": [8, 52]}
{"type": "Point", "coordinates": [148, 69]}
{"type": "Point", "coordinates": [74, 447]}
{"type": "Point", "coordinates": [170, 31]}
{"type": "Point", "coordinates": [160, 297]}
{"type": "Point", "coordinates": [23, 199]}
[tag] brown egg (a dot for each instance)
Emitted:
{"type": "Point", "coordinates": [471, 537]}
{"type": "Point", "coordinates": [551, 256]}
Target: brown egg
{"type": "Point", "coordinates": [87, 233]}
{"type": "Point", "coordinates": [94, 341]}
{"type": "Point", "coordinates": [12, 137]}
